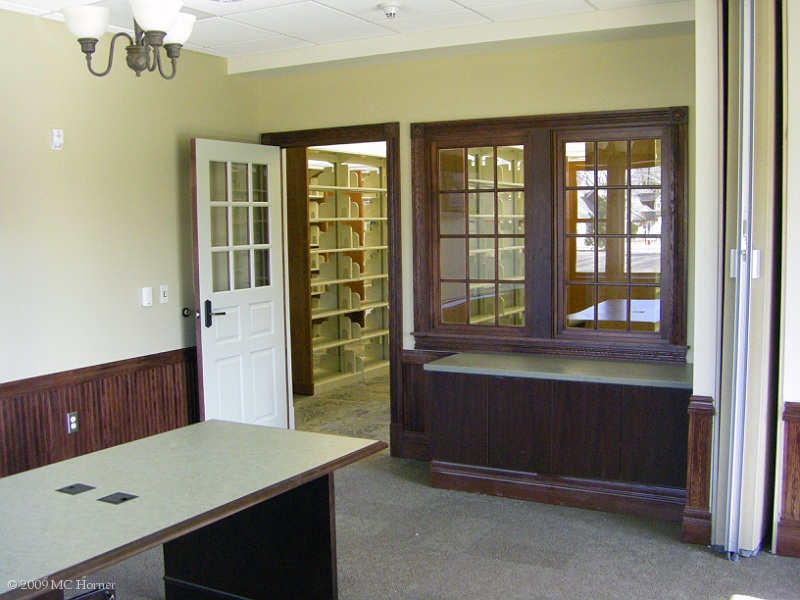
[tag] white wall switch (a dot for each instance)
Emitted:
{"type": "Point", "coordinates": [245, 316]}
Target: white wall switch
{"type": "Point", "coordinates": [147, 296]}
{"type": "Point", "coordinates": [56, 139]}
{"type": "Point", "coordinates": [163, 294]}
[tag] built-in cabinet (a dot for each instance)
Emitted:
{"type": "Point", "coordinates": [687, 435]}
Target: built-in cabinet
{"type": "Point", "coordinates": [339, 297]}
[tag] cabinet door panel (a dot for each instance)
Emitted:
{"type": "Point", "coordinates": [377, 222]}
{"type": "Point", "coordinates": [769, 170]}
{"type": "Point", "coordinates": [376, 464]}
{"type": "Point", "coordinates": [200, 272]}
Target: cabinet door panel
{"type": "Point", "coordinates": [520, 413]}
{"type": "Point", "coordinates": [586, 430]}
{"type": "Point", "coordinates": [654, 435]}
{"type": "Point", "coordinates": [459, 419]}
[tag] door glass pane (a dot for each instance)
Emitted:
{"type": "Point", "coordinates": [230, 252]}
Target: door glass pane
{"type": "Point", "coordinates": [646, 308]}
{"type": "Point", "coordinates": [453, 302]}
{"type": "Point", "coordinates": [481, 258]}
{"type": "Point", "coordinates": [580, 253]}
{"type": "Point", "coordinates": [219, 226]}
{"type": "Point", "coordinates": [261, 267]}
{"type": "Point", "coordinates": [482, 302]}
{"type": "Point", "coordinates": [613, 211]}
{"type": "Point", "coordinates": [579, 164]}
{"type": "Point", "coordinates": [453, 258]}
{"type": "Point", "coordinates": [218, 184]}
{"type": "Point", "coordinates": [261, 224]}
{"type": "Point", "coordinates": [260, 183]}
{"type": "Point", "coordinates": [452, 174]}
{"type": "Point", "coordinates": [646, 211]}
{"type": "Point", "coordinates": [241, 269]}
{"type": "Point", "coordinates": [480, 168]}
{"type": "Point", "coordinates": [481, 213]}
{"type": "Point", "coordinates": [581, 208]}
{"type": "Point", "coordinates": [452, 214]}
{"type": "Point", "coordinates": [612, 163]}
{"type": "Point", "coordinates": [239, 180]}
{"type": "Point", "coordinates": [240, 217]}
{"type": "Point", "coordinates": [220, 275]}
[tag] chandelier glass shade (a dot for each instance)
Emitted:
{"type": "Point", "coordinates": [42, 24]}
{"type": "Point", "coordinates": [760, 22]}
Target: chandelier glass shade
{"type": "Point", "coordinates": [157, 24]}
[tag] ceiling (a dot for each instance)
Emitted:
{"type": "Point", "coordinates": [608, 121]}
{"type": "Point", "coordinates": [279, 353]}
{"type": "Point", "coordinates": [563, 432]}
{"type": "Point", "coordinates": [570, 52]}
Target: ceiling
{"type": "Point", "coordinates": [270, 34]}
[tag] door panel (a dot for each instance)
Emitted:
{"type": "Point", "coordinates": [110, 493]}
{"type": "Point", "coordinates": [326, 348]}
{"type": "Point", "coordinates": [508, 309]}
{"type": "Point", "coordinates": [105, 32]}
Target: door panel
{"type": "Point", "coordinates": [239, 281]}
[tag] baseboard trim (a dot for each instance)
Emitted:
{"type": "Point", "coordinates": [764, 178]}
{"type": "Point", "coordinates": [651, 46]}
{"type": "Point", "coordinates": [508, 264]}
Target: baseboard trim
{"type": "Point", "coordinates": [608, 496]}
{"type": "Point", "coordinates": [788, 538]}
{"type": "Point", "coordinates": [696, 526]}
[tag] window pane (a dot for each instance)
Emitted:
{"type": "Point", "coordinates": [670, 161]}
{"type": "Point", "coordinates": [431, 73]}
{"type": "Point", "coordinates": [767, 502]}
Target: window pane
{"type": "Point", "coordinates": [481, 213]}
{"type": "Point", "coordinates": [240, 217]}
{"type": "Point", "coordinates": [452, 171]}
{"type": "Point", "coordinates": [512, 304]}
{"type": "Point", "coordinates": [482, 301]}
{"type": "Point", "coordinates": [612, 307]}
{"type": "Point", "coordinates": [579, 164]}
{"type": "Point", "coordinates": [453, 258]}
{"type": "Point", "coordinates": [580, 306]}
{"type": "Point", "coordinates": [260, 183]}
{"type": "Point", "coordinates": [646, 211]}
{"type": "Point", "coordinates": [646, 308]}
{"type": "Point", "coordinates": [646, 259]}
{"type": "Point", "coordinates": [511, 213]}
{"type": "Point", "coordinates": [480, 167]}
{"type": "Point", "coordinates": [612, 163]}
{"type": "Point", "coordinates": [646, 162]}
{"type": "Point", "coordinates": [452, 214]}
{"type": "Point", "coordinates": [261, 267]}
{"type": "Point", "coordinates": [580, 211]}
{"type": "Point", "coordinates": [218, 184]}
{"type": "Point", "coordinates": [613, 210]}
{"type": "Point", "coordinates": [454, 302]}
{"type": "Point", "coordinates": [511, 260]}
{"type": "Point", "coordinates": [612, 259]}
{"type": "Point", "coordinates": [510, 166]}
{"type": "Point", "coordinates": [241, 269]}
{"type": "Point", "coordinates": [220, 274]}
{"type": "Point", "coordinates": [481, 258]}
{"type": "Point", "coordinates": [219, 226]}
{"type": "Point", "coordinates": [261, 225]}
{"type": "Point", "coordinates": [581, 260]}
{"type": "Point", "coordinates": [239, 188]}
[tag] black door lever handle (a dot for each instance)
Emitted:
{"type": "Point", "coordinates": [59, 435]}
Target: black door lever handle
{"type": "Point", "coordinates": [210, 314]}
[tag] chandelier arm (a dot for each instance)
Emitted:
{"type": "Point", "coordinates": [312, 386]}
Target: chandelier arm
{"type": "Point", "coordinates": [174, 68]}
{"type": "Point", "coordinates": [110, 54]}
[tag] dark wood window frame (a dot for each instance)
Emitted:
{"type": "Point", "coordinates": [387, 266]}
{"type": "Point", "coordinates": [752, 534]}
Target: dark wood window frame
{"type": "Point", "coordinates": [542, 332]}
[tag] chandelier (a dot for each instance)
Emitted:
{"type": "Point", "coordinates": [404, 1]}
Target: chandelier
{"type": "Point", "coordinates": [156, 24]}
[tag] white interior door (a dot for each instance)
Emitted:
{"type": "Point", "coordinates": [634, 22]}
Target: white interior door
{"type": "Point", "coordinates": [239, 281]}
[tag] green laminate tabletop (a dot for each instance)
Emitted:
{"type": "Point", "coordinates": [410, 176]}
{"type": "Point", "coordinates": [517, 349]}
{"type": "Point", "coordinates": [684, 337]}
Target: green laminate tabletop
{"type": "Point", "coordinates": [183, 479]}
{"type": "Point", "coordinates": [564, 368]}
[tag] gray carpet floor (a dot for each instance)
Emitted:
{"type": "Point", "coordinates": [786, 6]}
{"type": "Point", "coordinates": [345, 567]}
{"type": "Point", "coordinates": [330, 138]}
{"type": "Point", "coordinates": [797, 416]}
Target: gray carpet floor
{"type": "Point", "coordinates": [399, 538]}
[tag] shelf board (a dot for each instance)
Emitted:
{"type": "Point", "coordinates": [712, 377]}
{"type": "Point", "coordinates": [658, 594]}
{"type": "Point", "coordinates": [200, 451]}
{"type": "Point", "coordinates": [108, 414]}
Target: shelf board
{"type": "Point", "coordinates": [334, 219]}
{"type": "Point", "coordinates": [344, 188]}
{"type": "Point", "coordinates": [319, 250]}
{"type": "Point", "coordinates": [325, 343]}
{"type": "Point", "coordinates": [364, 277]}
{"type": "Point", "coordinates": [324, 314]}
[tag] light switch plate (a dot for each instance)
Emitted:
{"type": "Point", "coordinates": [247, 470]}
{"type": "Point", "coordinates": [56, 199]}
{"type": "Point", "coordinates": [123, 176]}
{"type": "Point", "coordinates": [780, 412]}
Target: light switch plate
{"type": "Point", "coordinates": [56, 139]}
{"type": "Point", "coordinates": [147, 296]}
{"type": "Point", "coordinates": [163, 294]}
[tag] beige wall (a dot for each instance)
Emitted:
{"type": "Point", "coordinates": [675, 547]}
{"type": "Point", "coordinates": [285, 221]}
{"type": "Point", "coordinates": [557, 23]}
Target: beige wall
{"type": "Point", "coordinates": [84, 228]}
{"type": "Point", "coordinates": [610, 76]}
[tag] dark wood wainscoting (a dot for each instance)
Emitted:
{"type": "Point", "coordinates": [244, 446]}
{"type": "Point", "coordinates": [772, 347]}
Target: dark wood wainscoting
{"type": "Point", "coordinates": [696, 521]}
{"type": "Point", "coordinates": [788, 542]}
{"type": "Point", "coordinates": [116, 403]}
{"type": "Point", "coordinates": [411, 417]}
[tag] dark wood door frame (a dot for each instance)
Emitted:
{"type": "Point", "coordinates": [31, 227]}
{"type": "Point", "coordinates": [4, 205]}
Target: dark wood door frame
{"type": "Point", "coordinates": [380, 132]}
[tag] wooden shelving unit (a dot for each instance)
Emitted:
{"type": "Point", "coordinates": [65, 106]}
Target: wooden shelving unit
{"type": "Point", "coordinates": [338, 243]}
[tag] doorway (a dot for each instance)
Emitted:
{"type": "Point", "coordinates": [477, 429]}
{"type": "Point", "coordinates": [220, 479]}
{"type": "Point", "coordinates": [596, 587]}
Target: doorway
{"type": "Point", "coordinates": [343, 243]}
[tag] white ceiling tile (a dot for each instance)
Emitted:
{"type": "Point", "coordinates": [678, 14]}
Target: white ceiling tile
{"type": "Point", "coordinates": [612, 4]}
{"type": "Point", "coordinates": [299, 17]}
{"type": "Point", "coordinates": [219, 31]}
{"type": "Point", "coordinates": [230, 8]}
{"type": "Point", "coordinates": [28, 10]}
{"type": "Point", "coordinates": [438, 21]}
{"type": "Point", "coordinates": [372, 11]}
{"type": "Point", "coordinates": [343, 34]}
{"type": "Point", "coordinates": [273, 44]}
{"type": "Point", "coordinates": [532, 10]}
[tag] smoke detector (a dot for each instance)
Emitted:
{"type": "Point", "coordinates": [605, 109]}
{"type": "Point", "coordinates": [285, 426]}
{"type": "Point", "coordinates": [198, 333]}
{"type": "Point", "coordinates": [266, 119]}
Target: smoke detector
{"type": "Point", "coordinates": [391, 9]}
